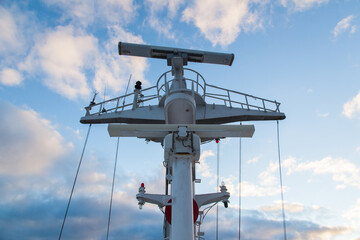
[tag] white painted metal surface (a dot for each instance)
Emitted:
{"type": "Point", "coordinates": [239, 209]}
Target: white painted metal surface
{"type": "Point", "coordinates": [161, 130]}
{"type": "Point", "coordinates": [182, 219]}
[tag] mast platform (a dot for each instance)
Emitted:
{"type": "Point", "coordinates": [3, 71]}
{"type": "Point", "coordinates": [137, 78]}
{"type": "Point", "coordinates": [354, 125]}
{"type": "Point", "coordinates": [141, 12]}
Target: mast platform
{"type": "Point", "coordinates": [227, 105]}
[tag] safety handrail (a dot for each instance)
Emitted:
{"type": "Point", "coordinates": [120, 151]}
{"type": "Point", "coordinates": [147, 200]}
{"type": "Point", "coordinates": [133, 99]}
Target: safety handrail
{"type": "Point", "coordinates": [121, 103]}
{"type": "Point", "coordinates": [247, 99]}
{"type": "Point", "coordinates": [196, 84]}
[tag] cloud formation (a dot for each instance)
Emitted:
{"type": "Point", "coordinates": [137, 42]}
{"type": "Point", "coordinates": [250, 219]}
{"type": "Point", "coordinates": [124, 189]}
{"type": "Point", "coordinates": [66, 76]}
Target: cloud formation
{"type": "Point", "coordinates": [10, 77]}
{"type": "Point", "coordinates": [113, 71]}
{"type": "Point", "coordinates": [222, 21]}
{"type": "Point", "coordinates": [14, 43]}
{"type": "Point", "coordinates": [11, 25]}
{"type": "Point", "coordinates": [106, 12]}
{"type": "Point", "coordinates": [301, 5]}
{"type": "Point", "coordinates": [29, 144]}
{"type": "Point", "coordinates": [352, 107]}
{"type": "Point", "coordinates": [342, 170]}
{"type": "Point", "coordinates": [343, 25]}
{"type": "Point", "coordinates": [63, 54]}
{"type": "Point", "coordinates": [69, 59]}
{"type": "Point", "coordinates": [256, 225]}
{"type": "Point", "coordinates": [203, 168]}
{"type": "Point", "coordinates": [162, 14]}
{"type": "Point", "coordinates": [353, 214]}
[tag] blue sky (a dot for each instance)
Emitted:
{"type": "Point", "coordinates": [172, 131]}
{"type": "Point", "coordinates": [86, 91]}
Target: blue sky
{"type": "Point", "coordinates": [302, 53]}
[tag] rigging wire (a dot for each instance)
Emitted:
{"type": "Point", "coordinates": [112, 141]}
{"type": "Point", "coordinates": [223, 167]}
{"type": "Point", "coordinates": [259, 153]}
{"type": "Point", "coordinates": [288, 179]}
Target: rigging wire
{"type": "Point", "coordinates": [112, 188]}
{"type": "Point", "coordinates": [73, 187]}
{"type": "Point", "coordinates": [240, 186]}
{"type": "Point", "coordinates": [105, 85]}
{"type": "Point", "coordinates": [217, 187]}
{"type": "Point", "coordinates": [281, 182]}
{"type": "Point", "coordinates": [127, 88]}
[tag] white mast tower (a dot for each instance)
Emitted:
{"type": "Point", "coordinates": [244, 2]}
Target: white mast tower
{"type": "Point", "coordinates": [180, 119]}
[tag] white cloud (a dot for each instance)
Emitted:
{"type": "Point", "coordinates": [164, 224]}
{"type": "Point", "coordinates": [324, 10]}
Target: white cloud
{"type": "Point", "coordinates": [70, 58]}
{"type": "Point", "coordinates": [352, 106]}
{"type": "Point", "coordinates": [353, 214]}
{"type": "Point", "coordinates": [252, 190]}
{"type": "Point", "coordinates": [11, 38]}
{"type": "Point", "coordinates": [343, 25]}
{"type": "Point", "coordinates": [325, 233]}
{"type": "Point", "coordinates": [289, 163]}
{"type": "Point", "coordinates": [91, 12]}
{"type": "Point", "coordinates": [323, 115]}
{"type": "Point", "coordinates": [353, 29]}
{"type": "Point", "coordinates": [231, 183]}
{"type": "Point", "coordinates": [294, 207]}
{"type": "Point", "coordinates": [17, 27]}
{"type": "Point", "coordinates": [203, 168]}
{"type": "Point", "coordinates": [343, 171]}
{"type": "Point", "coordinates": [268, 182]}
{"type": "Point", "coordinates": [112, 70]}
{"type": "Point", "coordinates": [161, 15]}
{"type": "Point", "coordinates": [63, 54]}
{"type": "Point", "coordinates": [29, 144]}
{"type": "Point", "coordinates": [267, 177]}
{"type": "Point", "coordinates": [10, 77]}
{"type": "Point", "coordinates": [254, 160]}
{"type": "Point", "coordinates": [222, 21]}
{"type": "Point", "coordinates": [301, 5]}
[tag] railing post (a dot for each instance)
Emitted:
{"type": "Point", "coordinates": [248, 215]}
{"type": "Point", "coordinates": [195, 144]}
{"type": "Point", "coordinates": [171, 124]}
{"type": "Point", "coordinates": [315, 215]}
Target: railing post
{"type": "Point", "coordinates": [100, 108]}
{"type": "Point", "coordinates": [166, 85]}
{"type": "Point", "coordinates": [247, 103]}
{"type": "Point", "coordinates": [192, 88]}
{"type": "Point", "coordinates": [135, 101]}
{"type": "Point", "coordinates": [264, 105]}
{"type": "Point", "coordinates": [204, 91]}
{"type": "Point", "coordinates": [117, 104]}
{"type": "Point", "coordinates": [277, 106]}
{"type": "Point", "coordinates": [197, 83]}
{"type": "Point", "coordinates": [228, 93]}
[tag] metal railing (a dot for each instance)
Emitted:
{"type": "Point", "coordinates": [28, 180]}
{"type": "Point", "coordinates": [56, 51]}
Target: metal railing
{"type": "Point", "coordinates": [231, 98]}
{"type": "Point", "coordinates": [195, 83]}
{"type": "Point", "coordinates": [124, 102]}
{"type": "Point", "coordinates": [219, 95]}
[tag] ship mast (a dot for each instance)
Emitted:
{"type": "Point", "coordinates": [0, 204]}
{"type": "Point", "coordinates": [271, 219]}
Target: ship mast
{"type": "Point", "coordinates": [181, 120]}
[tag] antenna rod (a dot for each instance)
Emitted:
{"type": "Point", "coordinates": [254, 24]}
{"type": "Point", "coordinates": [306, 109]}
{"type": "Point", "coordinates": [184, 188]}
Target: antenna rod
{"type": "Point", "coordinates": [127, 88]}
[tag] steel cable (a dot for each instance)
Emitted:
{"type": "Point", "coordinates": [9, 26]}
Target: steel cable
{"type": "Point", "coordinates": [112, 188]}
{"type": "Point", "coordinates": [281, 182]}
{"type": "Point", "coordinates": [240, 186]}
{"type": "Point", "coordinates": [73, 187]}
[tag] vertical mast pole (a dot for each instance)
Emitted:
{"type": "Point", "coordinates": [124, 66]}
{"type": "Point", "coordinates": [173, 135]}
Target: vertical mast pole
{"type": "Point", "coordinates": [180, 108]}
